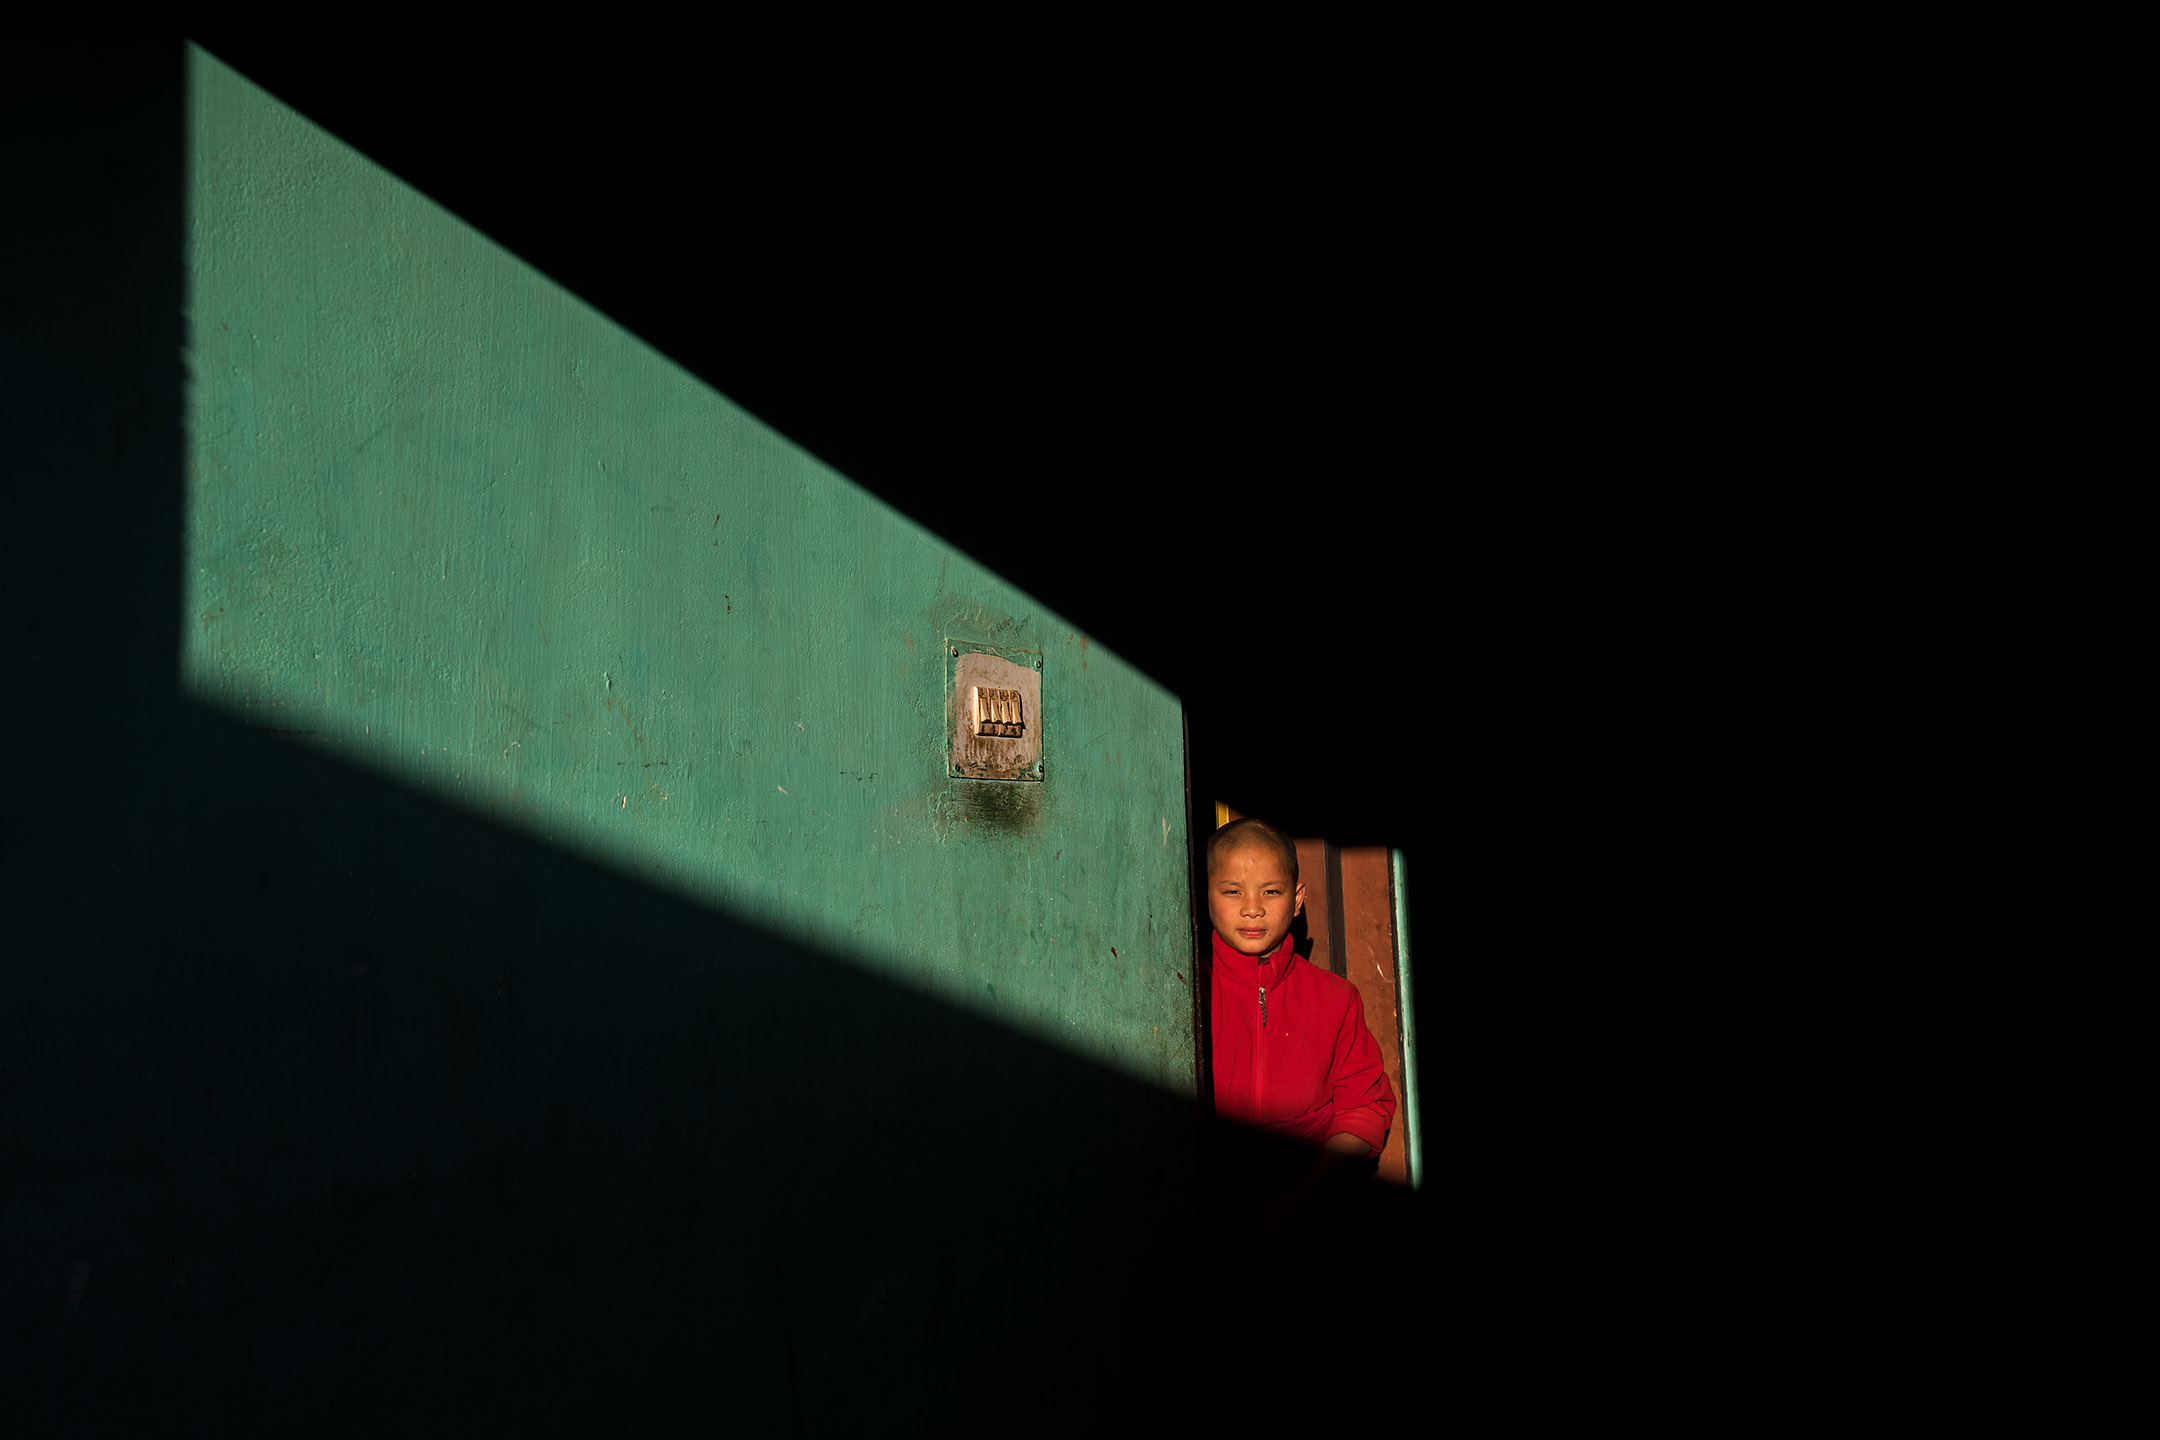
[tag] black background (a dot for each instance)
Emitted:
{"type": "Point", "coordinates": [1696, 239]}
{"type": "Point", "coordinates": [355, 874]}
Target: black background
{"type": "Point", "coordinates": [317, 1113]}
{"type": "Point", "coordinates": [1153, 327]}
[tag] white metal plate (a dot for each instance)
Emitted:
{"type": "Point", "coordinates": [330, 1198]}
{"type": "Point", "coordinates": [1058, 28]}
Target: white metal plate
{"type": "Point", "coordinates": [993, 712]}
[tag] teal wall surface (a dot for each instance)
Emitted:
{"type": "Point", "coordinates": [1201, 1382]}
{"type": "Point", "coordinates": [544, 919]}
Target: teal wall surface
{"type": "Point", "coordinates": [493, 943]}
{"type": "Point", "coordinates": [445, 521]}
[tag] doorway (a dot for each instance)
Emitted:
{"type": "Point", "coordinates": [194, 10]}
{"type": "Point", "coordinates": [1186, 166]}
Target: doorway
{"type": "Point", "coordinates": [1348, 928]}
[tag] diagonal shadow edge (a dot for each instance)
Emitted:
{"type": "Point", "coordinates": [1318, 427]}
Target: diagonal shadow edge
{"type": "Point", "coordinates": [177, 875]}
{"type": "Point", "coordinates": [1061, 555]}
{"type": "Point", "coordinates": [307, 553]}
{"type": "Point", "coordinates": [883, 315]}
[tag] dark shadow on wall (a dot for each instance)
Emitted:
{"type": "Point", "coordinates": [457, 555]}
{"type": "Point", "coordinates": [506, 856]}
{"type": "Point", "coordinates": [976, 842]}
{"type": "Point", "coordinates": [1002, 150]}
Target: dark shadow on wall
{"type": "Point", "coordinates": [1150, 334]}
{"type": "Point", "coordinates": [326, 1108]}
{"type": "Point", "coordinates": [338, 1110]}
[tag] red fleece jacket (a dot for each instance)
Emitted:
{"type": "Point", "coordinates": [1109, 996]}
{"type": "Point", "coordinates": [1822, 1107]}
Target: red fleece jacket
{"type": "Point", "coordinates": [1309, 1070]}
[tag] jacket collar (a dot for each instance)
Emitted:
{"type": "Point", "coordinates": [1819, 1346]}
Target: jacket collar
{"type": "Point", "coordinates": [1267, 970]}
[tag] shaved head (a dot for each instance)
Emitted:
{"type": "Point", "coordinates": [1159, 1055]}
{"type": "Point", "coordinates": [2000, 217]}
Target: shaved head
{"type": "Point", "coordinates": [1240, 833]}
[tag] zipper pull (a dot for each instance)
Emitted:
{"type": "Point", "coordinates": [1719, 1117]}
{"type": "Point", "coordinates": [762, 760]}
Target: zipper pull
{"type": "Point", "coordinates": [1263, 1007]}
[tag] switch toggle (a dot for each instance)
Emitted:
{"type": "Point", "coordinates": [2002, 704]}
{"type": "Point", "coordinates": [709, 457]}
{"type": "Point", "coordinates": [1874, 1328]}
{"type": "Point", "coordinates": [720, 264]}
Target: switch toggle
{"type": "Point", "coordinates": [997, 712]}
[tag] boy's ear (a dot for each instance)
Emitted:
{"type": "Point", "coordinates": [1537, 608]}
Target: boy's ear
{"type": "Point", "coordinates": [1299, 908]}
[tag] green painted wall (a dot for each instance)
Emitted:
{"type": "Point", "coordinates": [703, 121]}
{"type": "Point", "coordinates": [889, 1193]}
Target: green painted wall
{"type": "Point", "coordinates": [492, 944]}
{"type": "Point", "coordinates": [446, 522]}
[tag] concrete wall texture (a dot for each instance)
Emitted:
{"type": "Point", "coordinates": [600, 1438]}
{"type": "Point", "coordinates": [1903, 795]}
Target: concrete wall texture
{"type": "Point", "coordinates": [495, 944]}
{"type": "Point", "coordinates": [446, 521]}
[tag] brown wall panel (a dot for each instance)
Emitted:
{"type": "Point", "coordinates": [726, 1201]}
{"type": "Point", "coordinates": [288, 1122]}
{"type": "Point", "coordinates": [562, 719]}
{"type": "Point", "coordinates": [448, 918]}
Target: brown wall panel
{"type": "Point", "coordinates": [1368, 928]}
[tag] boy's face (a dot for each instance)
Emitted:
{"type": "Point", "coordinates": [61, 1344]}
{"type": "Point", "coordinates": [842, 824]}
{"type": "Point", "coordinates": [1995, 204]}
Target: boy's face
{"type": "Point", "coordinates": [1251, 899]}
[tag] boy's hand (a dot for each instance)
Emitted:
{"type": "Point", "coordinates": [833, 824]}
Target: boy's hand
{"type": "Point", "coordinates": [1266, 1211]}
{"type": "Point", "coordinates": [1339, 1150]}
{"type": "Point", "coordinates": [1346, 1145]}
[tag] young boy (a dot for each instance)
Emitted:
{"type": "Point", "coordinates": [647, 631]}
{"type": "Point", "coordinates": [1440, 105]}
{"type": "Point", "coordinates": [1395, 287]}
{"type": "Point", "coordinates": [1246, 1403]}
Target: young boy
{"type": "Point", "coordinates": [1292, 1053]}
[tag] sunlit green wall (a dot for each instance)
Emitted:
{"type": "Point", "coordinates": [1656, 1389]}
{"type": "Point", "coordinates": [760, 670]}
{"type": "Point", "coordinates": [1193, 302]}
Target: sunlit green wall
{"type": "Point", "coordinates": [448, 523]}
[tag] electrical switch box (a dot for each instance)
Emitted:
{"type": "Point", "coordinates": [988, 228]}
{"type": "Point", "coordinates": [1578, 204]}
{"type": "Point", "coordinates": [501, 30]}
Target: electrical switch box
{"type": "Point", "coordinates": [993, 712]}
